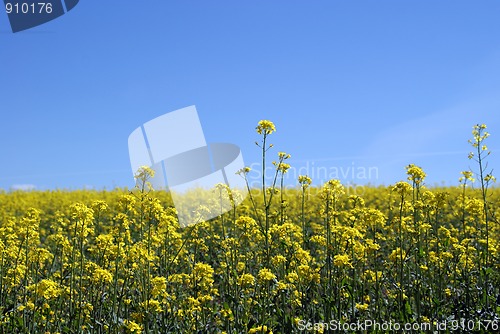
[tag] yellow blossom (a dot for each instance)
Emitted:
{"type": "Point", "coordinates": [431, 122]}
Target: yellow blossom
{"type": "Point", "coordinates": [132, 327]}
{"type": "Point", "coordinates": [265, 275]}
{"type": "Point", "coordinates": [342, 260]}
{"type": "Point", "coordinates": [265, 127]}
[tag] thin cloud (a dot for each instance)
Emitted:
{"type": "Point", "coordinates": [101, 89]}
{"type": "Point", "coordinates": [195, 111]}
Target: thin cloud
{"type": "Point", "coordinates": [23, 187]}
{"type": "Point", "coordinates": [82, 173]}
{"type": "Point", "coordinates": [442, 129]}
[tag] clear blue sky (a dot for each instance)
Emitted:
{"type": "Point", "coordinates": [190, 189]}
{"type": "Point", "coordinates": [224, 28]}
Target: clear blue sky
{"type": "Point", "coordinates": [363, 84]}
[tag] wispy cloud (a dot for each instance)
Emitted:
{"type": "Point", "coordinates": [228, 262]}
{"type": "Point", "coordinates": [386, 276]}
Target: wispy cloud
{"type": "Point", "coordinates": [23, 187]}
{"type": "Point", "coordinates": [444, 131]}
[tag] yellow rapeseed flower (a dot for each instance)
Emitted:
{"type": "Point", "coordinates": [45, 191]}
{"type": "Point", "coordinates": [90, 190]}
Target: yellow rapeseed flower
{"type": "Point", "coordinates": [265, 127]}
{"type": "Point", "coordinates": [102, 276]}
{"type": "Point", "coordinates": [342, 261]}
{"type": "Point", "coordinates": [415, 174]}
{"type": "Point", "coordinates": [362, 307]}
{"type": "Point", "coordinates": [305, 181]}
{"type": "Point", "coordinates": [278, 260]}
{"type": "Point", "coordinates": [48, 289]}
{"type": "Point", "coordinates": [260, 329]}
{"type": "Point", "coordinates": [265, 275]}
{"type": "Point", "coordinates": [132, 327]}
{"type": "Point", "coordinates": [159, 285]}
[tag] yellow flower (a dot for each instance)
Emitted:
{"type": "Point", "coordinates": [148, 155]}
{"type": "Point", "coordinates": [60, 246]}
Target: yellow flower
{"type": "Point", "coordinates": [342, 260]}
{"type": "Point", "coordinates": [303, 256]}
{"type": "Point", "coordinates": [203, 274]}
{"type": "Point", "coordinates": [265, 275]}
{"type": "Point", "coordinates": [84, 219]}
{"type": "Point", "coordinates": [362, 307]}
{"type": "Point", "coordinates": [243, 171]}
{"type": "Point", "coordinates": [397, 254]}
{"type": "Point", "coordinates": [305, 181]}
{"type": "Point", "coordinates": [144, 173]}
{"type": "Point", "coordinates": [260, 329]}
{"type": "Point", "coordinates": [159, 284]}
{"type": "Point", "coordinates": [278, 260]}
{"type": "Point", "coordinates": [132, 327]}
{"type": "Point", "coordinates": [102, 276]}
{"type": "Point", "coordinates": [227, 313]}
{"type": "Point", "coordinates": [372, 245]}
{"type": "Point", "coordinates": [30, 305]}
{"type": "Point", "coordinates": [194, 305]}
{"type": "Point", "coordinates": [307, 274]}
{"type": "Point", "coordinates": [292, 277]}
{"type": "Point", "coordinates": [281, 166]}
{"type": "Point", "coordinates": [402, 187]}
{"type": "Point", "coordinates": [245, 222]}
{"type": "Point", "coordinates": [281, 286]}
{"type": "Point", "coordinates": [265, 127]}
{"type": "Point", "coordinates": [99, 205]}
{"type": "Point", "coordinates": [240, 267]}
{"type": "Point", "coordinates": [490, 178]}
{"type": "Point", "coordinates": [415, 174]}
{"type": "Point", "coordinates": [151, 305]}
{"type": "Point", "coordinates": [48, 289]}
{"type": "Point", "coordinates": [333, 188]}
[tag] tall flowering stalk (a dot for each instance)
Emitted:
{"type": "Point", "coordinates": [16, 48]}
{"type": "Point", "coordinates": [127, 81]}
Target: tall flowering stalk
{"type": "Point", "coordinates": [416, 175]}
{"type": "Point", "coordinates": [281, 169]}
{"type": "Point", "coordinates": [83, 220]}
{"type": "Point", "coordinates": [467, 176]}
{"type": "Point", "coordinates": [399, 254]}
{"type": "Point", "coordinates": [304, 181]}
{"type": "Point", "coordinates": [331, 192]}
{"type": "Point", "coordinates": [143, 177]}
{"type": "Point", "coordinates": [485, 177]}
{"type": "Point", "coordinates": [265, 128]}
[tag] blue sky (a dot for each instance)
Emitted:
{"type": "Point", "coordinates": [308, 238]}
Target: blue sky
{"type": "Point", "coordinates": [366, 85]}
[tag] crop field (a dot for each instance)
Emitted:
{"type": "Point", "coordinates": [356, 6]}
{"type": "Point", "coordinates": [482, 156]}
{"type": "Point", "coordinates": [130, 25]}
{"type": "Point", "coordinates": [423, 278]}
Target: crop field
{"type": "Point", "coordinates": [312, 258]}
